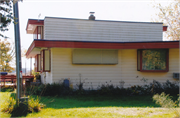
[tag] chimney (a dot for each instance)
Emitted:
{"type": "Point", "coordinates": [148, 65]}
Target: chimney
{"type": "Point", "coordinates": [92, 17]}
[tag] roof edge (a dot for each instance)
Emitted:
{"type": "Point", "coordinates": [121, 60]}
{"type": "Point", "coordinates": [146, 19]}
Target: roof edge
{"type": "Point", "coordinates": [104, 41]}
{"type": "Point", "coordinates": [101, 45]}
{"type": "Point", "coordinates": [104, 20]}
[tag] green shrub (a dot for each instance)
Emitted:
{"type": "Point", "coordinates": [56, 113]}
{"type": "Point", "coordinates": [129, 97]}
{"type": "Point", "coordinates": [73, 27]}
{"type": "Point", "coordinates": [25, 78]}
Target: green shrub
{"type": "Point", "coordinates": [166, 101]}
{"type": "Point", "coordinates": [7, 89]}
{"type": "Point", "coordinates": [49, 90]}
{"type": "Point", "coordinates": [105, 89]}
{"type": "Point", "coordinates": [10, 106]}
{"type": "Point", "coordinates": [171, 88]}
{"type": "Point", "coordinates": [36, 90]}
{"type": "Point", "coordinates": [34, 105]}
{"type": "Point", "coordinates": [157, 87]}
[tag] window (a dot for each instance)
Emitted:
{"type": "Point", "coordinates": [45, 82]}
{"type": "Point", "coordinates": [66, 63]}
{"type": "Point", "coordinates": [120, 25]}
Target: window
{"type": "Point", "coordinates": [94, 56]}
{"type": "Point", "coordinates": [45, 60]}
{"type": "Point", "coordinates": [38, 33]}
{"type": "Point", "coordinates": [37, 63]}
{"type": "Point", "coordinates": [149, 60]}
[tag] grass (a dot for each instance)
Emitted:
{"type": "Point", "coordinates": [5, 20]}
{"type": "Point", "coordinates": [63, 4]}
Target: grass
{"type": "Point", "coordinates": [97, 106]}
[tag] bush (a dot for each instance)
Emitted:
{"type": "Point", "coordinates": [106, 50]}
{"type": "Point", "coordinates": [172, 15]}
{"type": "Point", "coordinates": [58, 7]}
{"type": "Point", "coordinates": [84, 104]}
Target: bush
{"type": "Point", "coordinates": [106, 89]}
{"type": "Point", "coordinates": [171, 88]}
{"type": "Point", "coordinates": [156, 87]}
{"type": "Point", "coordinates": [10, 106]}
{"type": "Point", "coordinates": [7, 89]}
{"type": "Point", "coordinates": [49, 90]}
{"type": "Point", "coordinates": [168, 87]}
{"type": "Point", "coordinates": [34, 105]}
{"type": "Point", "coordinates": [35, 90]}
{"type": "Point", "coordinates": [166, 101]}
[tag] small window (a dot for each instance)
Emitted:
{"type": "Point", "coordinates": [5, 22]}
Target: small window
{"type": "Point", "coordinates": [38, 32]}
{"type": "Point", "coordinates": [153, 60]}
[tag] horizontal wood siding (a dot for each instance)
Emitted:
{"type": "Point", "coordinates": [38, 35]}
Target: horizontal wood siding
{"type": "Point", "coordinates": [96, 75]}
{"type": "Point", "coordinates": [48, 77]}
{"type": "Point", "coordinates": [86, 30]}
{"type": "Point", "coordinates": [62, 68]}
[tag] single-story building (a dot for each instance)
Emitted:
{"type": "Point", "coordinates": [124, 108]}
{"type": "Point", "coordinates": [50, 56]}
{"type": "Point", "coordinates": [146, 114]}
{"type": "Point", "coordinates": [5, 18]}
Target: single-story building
{"type": "Point", "coordinates": [101, 51]}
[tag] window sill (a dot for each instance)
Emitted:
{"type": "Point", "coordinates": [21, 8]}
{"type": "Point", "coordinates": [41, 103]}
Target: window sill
{"type": "Point", "coordinates": [154, 70]}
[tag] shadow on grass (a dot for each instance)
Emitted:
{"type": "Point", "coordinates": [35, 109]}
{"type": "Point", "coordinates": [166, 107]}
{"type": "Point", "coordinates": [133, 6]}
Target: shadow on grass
{"type": "Point", "coordinates": [21, 110]}
{"type": "Point", "coordinates": [97, 101]}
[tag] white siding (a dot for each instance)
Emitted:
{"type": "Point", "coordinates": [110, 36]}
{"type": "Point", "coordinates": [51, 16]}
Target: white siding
{"type": "Point", "coordinates": [49, 77]}
{"type": "Point", "coordinates": [86, 30]}
{"type": "Point", "coordinates": [62, 68]}
{"type": "Point", "coordinates": [46, 78]}
{"type": "Point", "coordinates": [95, 75]}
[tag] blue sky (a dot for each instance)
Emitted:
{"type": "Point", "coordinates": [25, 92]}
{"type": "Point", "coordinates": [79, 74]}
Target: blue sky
{"type": "Point", "coordinates": [119, 10]}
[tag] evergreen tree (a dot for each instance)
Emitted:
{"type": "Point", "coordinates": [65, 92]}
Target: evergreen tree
{"type": "Point", "coordinates": [6, 15]}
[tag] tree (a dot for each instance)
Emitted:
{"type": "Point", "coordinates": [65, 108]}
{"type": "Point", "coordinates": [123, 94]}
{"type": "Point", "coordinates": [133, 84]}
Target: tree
{"type": "Point", "coordinates": [6, 15]}
{"type": "Point", "coordinates": [170, 16]}
{"type": "Point", "coordinates": [6, 56]}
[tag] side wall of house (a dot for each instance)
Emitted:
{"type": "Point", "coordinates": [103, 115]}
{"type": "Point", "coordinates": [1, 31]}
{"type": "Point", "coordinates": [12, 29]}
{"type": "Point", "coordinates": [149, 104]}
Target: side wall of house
{"type": "Point", "coordinates": [92, 75]}
{"type": "Point", "coordinates": [110, 31]}
{"type": "Point", "coordinates": [96, 75]}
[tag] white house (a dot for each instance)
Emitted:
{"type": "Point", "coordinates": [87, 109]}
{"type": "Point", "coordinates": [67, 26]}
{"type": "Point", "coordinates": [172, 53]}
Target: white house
{"type": "Point", "coordinates": [101, 51]}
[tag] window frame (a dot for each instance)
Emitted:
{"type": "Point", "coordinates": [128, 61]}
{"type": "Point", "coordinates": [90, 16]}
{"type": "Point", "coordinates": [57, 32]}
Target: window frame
{"type": "Point", "coordinates": [139, 62]}
{"type": "Point", "coordinates": [42, 63]}
{"type": "Point", "coordinates": [37, 63]}
{"type": "Point", "coordinates": [39, 32]}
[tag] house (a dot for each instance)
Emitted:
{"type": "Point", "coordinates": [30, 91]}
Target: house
{"type": "Point", "coordinates": [101, 52]}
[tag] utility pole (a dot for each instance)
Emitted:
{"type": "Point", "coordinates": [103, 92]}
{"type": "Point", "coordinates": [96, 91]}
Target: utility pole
{"type": "Point", "coordinates": [18, 50]}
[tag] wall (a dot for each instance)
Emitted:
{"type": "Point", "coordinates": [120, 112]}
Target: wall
{"type": "Point", "coordinates": [95, 75]}
{"type": "Point", "coordinates": [87, 30]}
{"type": "Point", "coordinates": [62, 67]}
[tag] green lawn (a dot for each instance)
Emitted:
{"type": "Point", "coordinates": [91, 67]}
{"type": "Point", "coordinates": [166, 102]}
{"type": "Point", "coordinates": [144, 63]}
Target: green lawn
{"type": "Point", "coordinates": [97, 106]}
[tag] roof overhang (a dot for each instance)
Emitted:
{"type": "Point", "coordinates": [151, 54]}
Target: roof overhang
{"type": "Point", "coordinates": [32, 24]}
{"type": "Point", "coordinates": [38, 45]}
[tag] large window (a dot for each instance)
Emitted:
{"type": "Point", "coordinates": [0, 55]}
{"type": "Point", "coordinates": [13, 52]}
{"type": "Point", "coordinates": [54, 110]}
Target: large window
{"type": "Point", "coordinates": [94, 56]}
{"type": "Point", "coordinates": [153, 60]}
